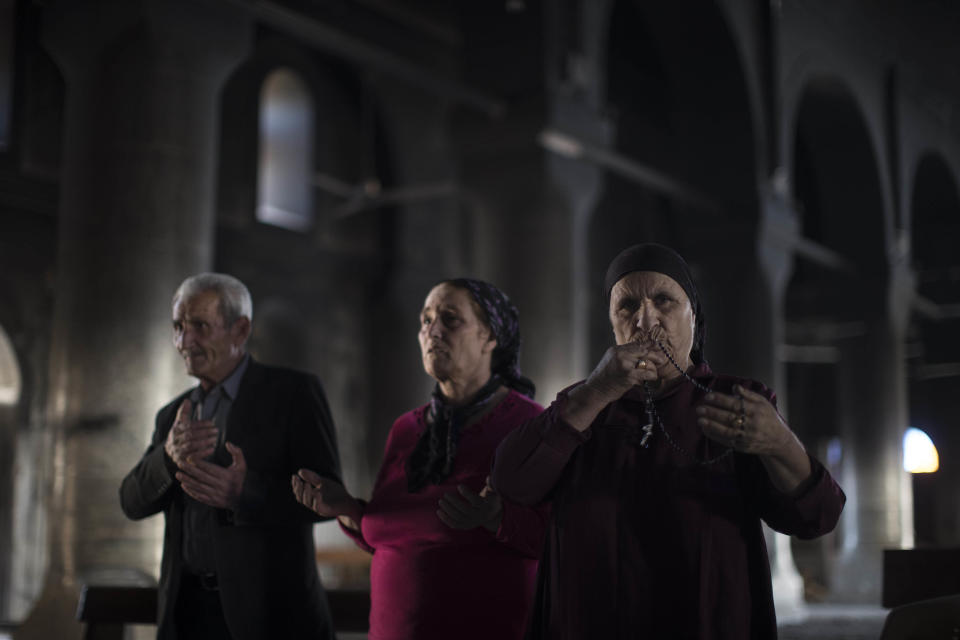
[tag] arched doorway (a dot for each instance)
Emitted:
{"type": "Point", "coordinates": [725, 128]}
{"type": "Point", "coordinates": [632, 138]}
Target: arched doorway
{"type": "Point", "coordinates": [678, 99]}
{"type": "Point", "coordinates": [10, 390]}
{"type": "Point", "coordinates": [933, 348]}
{"type": "Point", "coordinates": [843, 349]}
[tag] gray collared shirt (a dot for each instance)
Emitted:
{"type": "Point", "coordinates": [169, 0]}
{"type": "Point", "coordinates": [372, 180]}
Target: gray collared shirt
{"type": "Point", "coordinates": [199, 519]}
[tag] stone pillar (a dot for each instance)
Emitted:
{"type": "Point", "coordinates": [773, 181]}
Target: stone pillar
{"type": "Point", "coordinates": [578, 184]}
{"type": "Point", "coordinates": [744, 271]}
{"type": "Point", "coordinates": [521, 236]}
{"type": "Point", "coordinates": [873, 417]}
{"type": "Point", "coordinates": [8, 448]}
{"type": "Point", "coordinates": [775, 255]}
{"type": "Point", "coordinates": [136, 216]}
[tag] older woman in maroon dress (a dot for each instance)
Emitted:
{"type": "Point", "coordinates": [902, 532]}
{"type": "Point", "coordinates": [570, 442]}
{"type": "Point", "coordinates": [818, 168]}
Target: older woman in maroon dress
{"type": "Point", "coordinates": [659, 472]}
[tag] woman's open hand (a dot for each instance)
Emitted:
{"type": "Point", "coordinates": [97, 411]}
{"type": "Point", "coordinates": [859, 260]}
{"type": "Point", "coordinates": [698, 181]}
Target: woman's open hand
{"type": "Point", "coordinates": [324, 496]}
{"type": "Point", "coordinates": [745, 421]}
{"type": "Point", "coordinates": [749, 423]}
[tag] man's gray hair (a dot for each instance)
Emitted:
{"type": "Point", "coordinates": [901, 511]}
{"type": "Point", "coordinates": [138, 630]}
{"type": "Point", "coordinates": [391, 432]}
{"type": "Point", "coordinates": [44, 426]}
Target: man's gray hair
{"type": "Point", "coordinates": [235, 300]}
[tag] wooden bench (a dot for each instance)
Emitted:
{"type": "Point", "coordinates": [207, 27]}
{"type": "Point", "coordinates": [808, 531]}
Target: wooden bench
{"type": "Point", "coordinates": [105, 610]}
{"type": "Point", "coordinates": [912, 575]}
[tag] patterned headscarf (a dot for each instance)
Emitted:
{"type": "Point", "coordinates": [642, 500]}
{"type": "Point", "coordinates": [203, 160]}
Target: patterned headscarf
{"type": "Point", "coordinates": [503, 319]}
{"type": "Point", "coordinates": [433, 456]}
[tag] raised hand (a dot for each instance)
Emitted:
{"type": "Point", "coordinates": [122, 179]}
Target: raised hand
{"type": "Point", "coordinates": [212, 484]}
{"type": "Point", "coordinates": [465, 509]}
{"type": "Point", "coordinates": [745, 421]}
{"type": "Point", "coordinates": [325, 497]}
{"type": "Point", "coordinates": [621, 368]}
{"type": "Point", "coordinates": [189, 438]}
{"type": "Point", "coordinates": [624, 366]}
{"type": "Point", "coordinates": [749, 423]}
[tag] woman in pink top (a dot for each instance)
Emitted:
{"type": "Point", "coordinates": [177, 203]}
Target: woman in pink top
{"type": "Point", "coordinates": [451, 557]}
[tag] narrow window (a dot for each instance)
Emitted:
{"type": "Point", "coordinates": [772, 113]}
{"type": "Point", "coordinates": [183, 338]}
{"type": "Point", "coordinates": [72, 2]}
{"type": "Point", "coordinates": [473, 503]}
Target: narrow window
{"type": "Point", "coordinates": [284, 185]}
{"type": "Point", "coordinates": [9, 372]}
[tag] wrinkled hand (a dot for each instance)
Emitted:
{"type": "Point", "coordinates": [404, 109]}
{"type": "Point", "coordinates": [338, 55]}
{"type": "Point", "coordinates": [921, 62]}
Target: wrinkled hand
{"type": "Point", "coordinates": [213, 485]}
{"type": "Point", "coordinates": [745, 421]}
{"type": "Point", "coordinates": [624, 366]}
{"type": "Point", "coordinates": [468, 510]}
{"type": "Point", "coordinates": [323, 496]}
{"type": "Point", "coordinates": [189, 438]}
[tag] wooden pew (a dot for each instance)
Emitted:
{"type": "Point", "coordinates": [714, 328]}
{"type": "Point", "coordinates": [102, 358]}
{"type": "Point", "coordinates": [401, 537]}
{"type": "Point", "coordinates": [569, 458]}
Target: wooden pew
{"type": "Point", "coordinates": [912, 575]}
{"type": "Point", "coordinates": [105, 610]}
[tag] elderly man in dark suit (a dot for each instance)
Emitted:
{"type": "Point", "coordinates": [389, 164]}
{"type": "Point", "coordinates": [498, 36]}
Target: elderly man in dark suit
{"type": "Point", "coordinates": [238, 553]}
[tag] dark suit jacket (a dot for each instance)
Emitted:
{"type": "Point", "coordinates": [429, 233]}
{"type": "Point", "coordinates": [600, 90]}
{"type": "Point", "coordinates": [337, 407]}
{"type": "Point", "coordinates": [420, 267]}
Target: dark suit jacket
{"type": "Point", "coordinates": [266, 563]}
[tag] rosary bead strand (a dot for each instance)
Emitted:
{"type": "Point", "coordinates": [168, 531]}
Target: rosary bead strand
{"type": "Point", "coordinates": [653, 418]}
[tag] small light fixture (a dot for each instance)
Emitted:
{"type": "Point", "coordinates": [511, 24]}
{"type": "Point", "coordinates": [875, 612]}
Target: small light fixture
{"type": "Point", "coordinates": [919, 453]}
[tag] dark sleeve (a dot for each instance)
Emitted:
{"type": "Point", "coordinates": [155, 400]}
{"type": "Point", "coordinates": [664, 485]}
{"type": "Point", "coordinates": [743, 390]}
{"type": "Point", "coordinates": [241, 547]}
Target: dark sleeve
{"type": "Point", "coordinates": [531, 459]}
{"type": "Point", "coordinates": [150, 485]}
{"type": "Point", "coordinates": [811, 510]}
{"type": "Point", "coordinates": [311, 443]}
{"type": "Point", "coordinates": [523, 528]}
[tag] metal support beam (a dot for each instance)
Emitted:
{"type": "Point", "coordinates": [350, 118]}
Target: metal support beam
{"type": "Point", "coordinates": [930, 310]}
{"type": "Point", "coordinates": [327, 38]}
{"type": "Point", "coordinates": [937, 370]}
{"type": "Point", "coordinates": [821, 255]}
{"type": "Point", "coordinates": [568, 146]}
{"type": "Point", "coordinates": [808, 353]}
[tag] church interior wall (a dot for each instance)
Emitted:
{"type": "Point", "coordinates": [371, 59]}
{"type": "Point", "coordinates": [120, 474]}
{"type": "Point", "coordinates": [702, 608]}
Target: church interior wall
{"type": "Point", "coordinates": [812, 95]}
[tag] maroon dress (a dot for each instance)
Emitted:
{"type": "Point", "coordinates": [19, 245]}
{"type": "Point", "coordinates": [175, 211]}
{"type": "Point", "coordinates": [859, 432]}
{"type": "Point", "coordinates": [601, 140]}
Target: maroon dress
{"type": "Point", "coordinates": [651, 542]}
{"type": "Point", "coordinates": [431, 582]}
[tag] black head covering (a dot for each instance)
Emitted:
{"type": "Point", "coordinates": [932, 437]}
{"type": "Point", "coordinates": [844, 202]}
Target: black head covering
{"type": "Point", "coordinates": [656, 257]}
{"type": "Point", "coordinates": [433, 456]}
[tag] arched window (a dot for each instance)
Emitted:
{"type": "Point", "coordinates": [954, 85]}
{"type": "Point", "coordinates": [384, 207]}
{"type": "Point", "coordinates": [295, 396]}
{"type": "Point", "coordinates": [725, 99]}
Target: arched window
{"type": "Point", "coordinates": [9, 372]}
{"type": "Point", "coordinates": [284, 175]}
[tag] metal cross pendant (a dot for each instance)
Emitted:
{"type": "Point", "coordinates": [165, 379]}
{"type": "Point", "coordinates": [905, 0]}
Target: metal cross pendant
{"type": "Point", "coordinates": [651, 411]}
{"type": "Point", "coordinates": [647, 432]}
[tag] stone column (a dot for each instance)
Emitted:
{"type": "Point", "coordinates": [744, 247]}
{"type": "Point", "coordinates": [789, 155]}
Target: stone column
{"type": "Point", "coordinates": [873, 417]}
{"type": "Point", "coordinates": [521, 234]}
{"type": "Point", "coordinates": [136, 216]}
{"type": "Point", "coordinates": [8, 447]}
{"type": "Point", "coordinates": [745, 267]}
{"type": "Point", "coordinates": [775, 255]}
{"type": "Point", "coordinates": [579, 185]}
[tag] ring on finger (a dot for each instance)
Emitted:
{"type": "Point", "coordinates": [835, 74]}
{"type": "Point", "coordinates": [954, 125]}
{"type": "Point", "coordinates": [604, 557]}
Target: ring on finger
{"type": "Point", "coordinates": [742, 418]}
{"type": "Point", "coordinates": [641, 364]}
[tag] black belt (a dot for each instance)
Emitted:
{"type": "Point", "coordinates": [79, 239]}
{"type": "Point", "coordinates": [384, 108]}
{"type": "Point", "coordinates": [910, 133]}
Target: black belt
{"type": "Point", "coordinates": [206, 581]}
